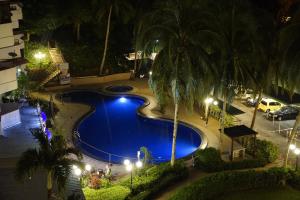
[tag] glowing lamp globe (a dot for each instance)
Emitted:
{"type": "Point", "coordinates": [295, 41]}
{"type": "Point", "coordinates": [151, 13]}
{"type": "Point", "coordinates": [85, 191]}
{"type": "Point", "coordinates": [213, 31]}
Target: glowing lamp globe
{"type": "Point", "coordinates": [138, 164]}
{"type": "Point", "coordinates": [88, 167]}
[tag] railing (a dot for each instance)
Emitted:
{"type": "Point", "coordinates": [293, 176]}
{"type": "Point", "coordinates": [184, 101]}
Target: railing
{"type": "Point", "coordinates": [284, 133]}
{"type": "Point", "coordinates": [104, 155]}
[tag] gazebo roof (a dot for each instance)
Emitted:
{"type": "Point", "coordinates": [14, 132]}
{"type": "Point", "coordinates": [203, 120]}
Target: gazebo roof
{"type": "Point", "coordinates": [239, 131]}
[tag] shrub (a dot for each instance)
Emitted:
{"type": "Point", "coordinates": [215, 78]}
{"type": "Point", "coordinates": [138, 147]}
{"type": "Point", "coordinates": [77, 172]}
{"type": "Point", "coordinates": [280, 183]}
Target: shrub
{"type": "Point", "coordinates": [113, 193]}
{"type": "Point", "coordinates": [209, 159]}
{"type": "Point", "coordinates": [266, 151]}
{"type": "Point", "coordinates": [154, 179]}
{"type": "Point", "coordinates": [215, 185]}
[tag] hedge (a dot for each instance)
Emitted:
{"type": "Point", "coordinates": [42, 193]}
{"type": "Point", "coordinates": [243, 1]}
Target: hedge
{"type": "Point", "coordinates": [209, 159]}
{"type": "Point", "coordinates": [218, 184]}
{"type": "Point", "coordinates": [146, 183]}
{"type": "Point", "coordinates": [113, 193]}
{"type": "Point", "coordinates": [156, 178]}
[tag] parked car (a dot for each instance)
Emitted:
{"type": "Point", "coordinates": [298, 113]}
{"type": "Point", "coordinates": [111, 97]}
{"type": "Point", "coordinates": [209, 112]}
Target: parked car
{"type": "Point", "coordinates": [245, 94]}
{"type": "Point", "coordinates": [267, 105]}
{"type": "Point", "coordinates": [252, 102]}
{"type": "Point", "coordinates": [284, 113]}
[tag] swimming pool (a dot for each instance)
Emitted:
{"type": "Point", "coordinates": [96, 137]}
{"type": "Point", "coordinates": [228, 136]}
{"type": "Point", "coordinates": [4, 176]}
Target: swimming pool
{"type": "Point", "coordinates": [115, 131]}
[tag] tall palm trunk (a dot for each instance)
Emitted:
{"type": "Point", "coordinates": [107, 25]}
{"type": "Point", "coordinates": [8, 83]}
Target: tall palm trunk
{"type": "Point", "coordinates": [255, 110]}
{"type": "Point", "coordinates": [223, 121]}
{"type": "Point", "coordinates": [135, 63]}
{"type": "Point", "coordinates": [291, 138]}
{"type": "Point", "coordinates": [77, 29]}
{"type": "Point", "coordinates": [174, 134]}
{"type": "Point", "coordinates": [106, 41]}
{"type": "Point", "coordinates": [49, 184]}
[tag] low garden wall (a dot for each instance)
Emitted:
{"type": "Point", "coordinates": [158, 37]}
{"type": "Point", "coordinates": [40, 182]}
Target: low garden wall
{"type": "Point", "coordinates": [90, 80]}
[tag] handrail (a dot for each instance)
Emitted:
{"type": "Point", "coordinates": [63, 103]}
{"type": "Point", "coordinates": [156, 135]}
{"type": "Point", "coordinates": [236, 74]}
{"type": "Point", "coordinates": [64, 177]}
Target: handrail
{"type": "Point", "coordinates": [77, 134]}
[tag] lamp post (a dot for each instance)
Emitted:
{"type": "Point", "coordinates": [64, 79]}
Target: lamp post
{"type": "Point", "coordinates": [131, 166]}
{"type": "Point", "coordinates": [208, 101]}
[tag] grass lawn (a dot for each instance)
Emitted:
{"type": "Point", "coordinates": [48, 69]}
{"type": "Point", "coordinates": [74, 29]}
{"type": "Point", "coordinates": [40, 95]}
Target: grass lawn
{"type": "Point", "coordinates": [285, 193]}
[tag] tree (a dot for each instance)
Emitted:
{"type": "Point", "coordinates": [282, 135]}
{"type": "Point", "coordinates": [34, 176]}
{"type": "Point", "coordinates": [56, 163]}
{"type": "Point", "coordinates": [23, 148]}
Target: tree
{"type": "Point", "coordinates": [77, 12]}
{"type": "Point", "coordinates": [289, 68]}
{"type": "Point", "coordinates": [120, 8]}
{"type": "Point", "coordinates": [181, 65]}
{"type": "Point", "coordinates": [228, 32]}
{"type": "Point", "coordinates": [52, 156]}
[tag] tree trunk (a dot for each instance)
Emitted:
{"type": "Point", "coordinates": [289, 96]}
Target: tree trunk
{"type": "Point", "coordinates": [106, 41]}
{"type": "Point", "coordinates": [28, 36]}
{"type": "Point", "coordinates": [49, 184]}
{"type": "Point", "coordinates": [78, 25]}
{"type": "Point", "coordinates": [174, 134]}
{"type": "Point", "coordinates": [223, 121]}
{"type": "Point", "coordinates": [255, 110]}
{"type": "Point", "coordinates": [291, 138]}
{"type": "Point", "coordinates": [135, 63]}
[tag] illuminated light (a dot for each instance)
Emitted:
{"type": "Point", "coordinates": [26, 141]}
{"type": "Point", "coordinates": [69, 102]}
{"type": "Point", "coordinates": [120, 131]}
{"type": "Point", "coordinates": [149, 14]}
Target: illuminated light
{"type": "Point", "coordinates": [292, 147]}
{"type": "Point", "coordinates": [150, 73]}
{"type": "Point", "coordinates": [138, 164]}
{"type": "Point", "coordinates": [43, 116]}
{"type": "Point", "coordinates": [48, 134]}
{"type": "Point", "coordinates": [88, 167]}
{"type": "Point", "coordinates": [19, 70]}
{"type": "Point", "coordinates": [77, 172]}
{"type": "Point", "coordinates": [297, 151]}
{"type": "Point", "coordinates": [126, 162]}
{"type": "Point", "coordinates": [129, 167]}
{"type": "Point", "coordinates": [74, 167]}
{"type": "Point", "coordinates": [156, 41]}
{"type": "Point", "coordinates": [39, 55]}
{"type": "Point", "coordinates": [216, 103]}
{"type": "Point", "coordinates": [123, 99]}
{"type": "Point", "coordinates": [209, 100]}
{"type": "Point", "coordinates": [153, 56]}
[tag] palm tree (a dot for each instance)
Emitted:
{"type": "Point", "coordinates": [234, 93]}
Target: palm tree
{"type": "Point", "coordinates": [179, 69]}
{"type": "Point", "coordinates": [228, 31]}
{"type": "Point", "coordinates": [53, 156]}
{"type": "Point", "coordinates": [120, 8]}
{"type": "Point", "coordinates": [289, 68]}
{"type": "Point", "coordinates": [77, 12]}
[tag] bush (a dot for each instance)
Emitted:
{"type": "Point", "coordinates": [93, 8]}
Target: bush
{"type": "Point", "coordinates": [154, 179]}
{"type": "Point", "coordinates": [266, 151]}
{"type": "Point", "coordinates": [209, 159]}
{"type": "Point", "coordinates": [215, 185]}
{"type": "Point", "coordinates": [113, 193]}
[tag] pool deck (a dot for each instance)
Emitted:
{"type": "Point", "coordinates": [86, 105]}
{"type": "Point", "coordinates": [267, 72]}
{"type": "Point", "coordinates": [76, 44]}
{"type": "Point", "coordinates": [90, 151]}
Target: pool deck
{"type": "Point", "coordinates": [70, 113]}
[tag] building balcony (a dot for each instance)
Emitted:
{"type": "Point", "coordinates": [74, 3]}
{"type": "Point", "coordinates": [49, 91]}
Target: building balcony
{"type": "Point", "coordinates": [5, 52]}
{"type": "Point", "coordinates": [8, 81]}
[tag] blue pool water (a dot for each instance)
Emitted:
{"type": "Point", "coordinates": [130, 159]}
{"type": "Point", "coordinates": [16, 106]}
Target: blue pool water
{"type": "Point", "coordinates": [114, 131]}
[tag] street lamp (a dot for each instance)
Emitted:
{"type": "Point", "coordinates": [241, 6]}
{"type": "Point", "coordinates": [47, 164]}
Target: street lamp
{"type": "Point", "coordinates": [208, 101]}
{"type": "Point", "coordinates": [88, 167]}
{"type": "Point", "coordinates": [131, 166]}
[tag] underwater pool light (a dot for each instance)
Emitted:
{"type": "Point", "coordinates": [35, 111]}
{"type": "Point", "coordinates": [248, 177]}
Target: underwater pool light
{"type": "Point", "coordinates": [123, 99]}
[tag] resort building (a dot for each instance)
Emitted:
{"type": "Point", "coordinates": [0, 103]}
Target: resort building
{"type": "Point", "coordinates": [12, 60]}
